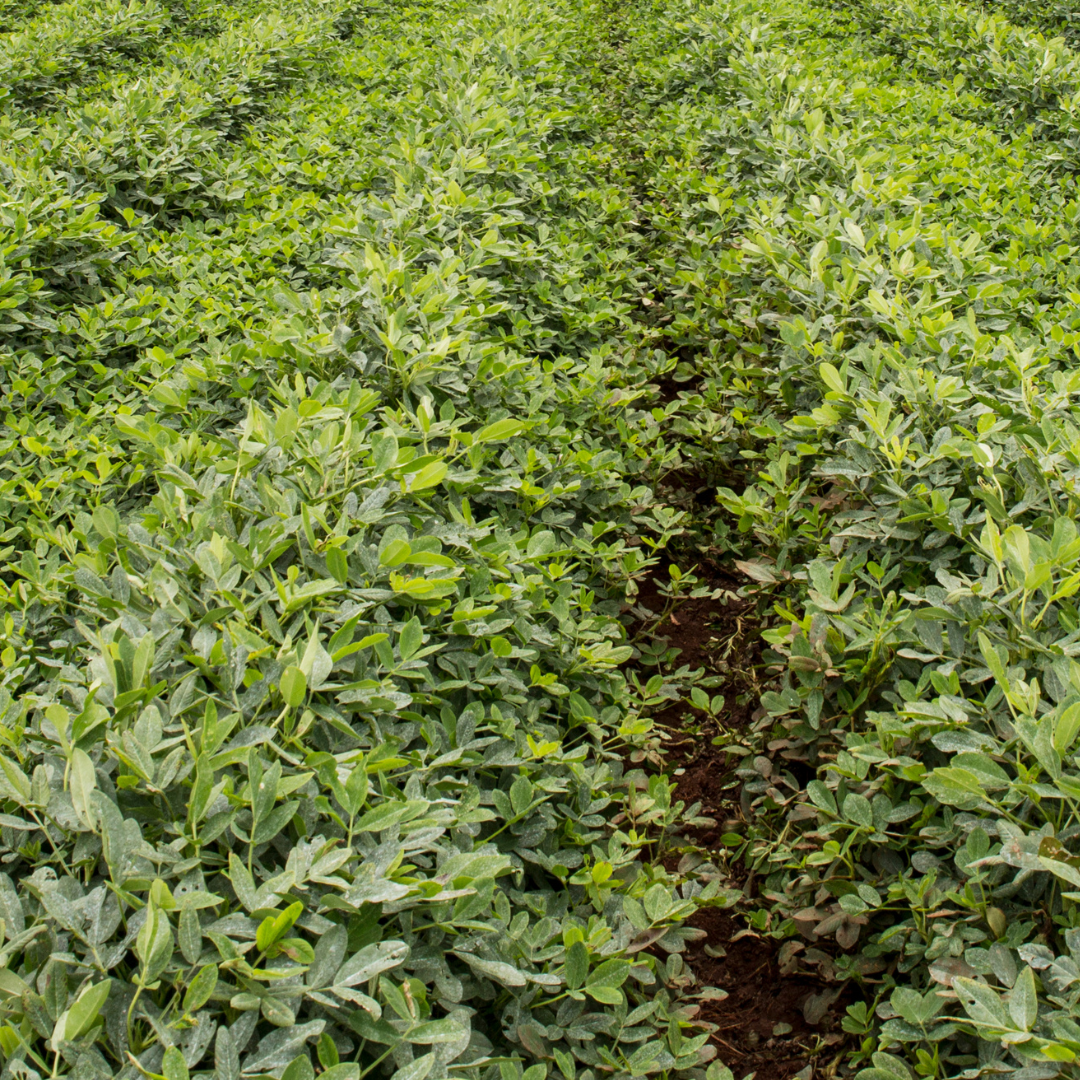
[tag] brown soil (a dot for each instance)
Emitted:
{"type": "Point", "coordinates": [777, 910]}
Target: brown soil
{"type": "Point", "coordinates": [760, 1027]}
{"type": "Point", "coordinates": [718, 633]}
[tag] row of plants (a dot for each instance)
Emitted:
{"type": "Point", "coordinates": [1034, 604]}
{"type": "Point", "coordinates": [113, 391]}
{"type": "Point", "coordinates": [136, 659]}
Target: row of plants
{"type": "Point", "coordinates": [863, 229]}
{"type": "Point", "coordinates": [320, 492]}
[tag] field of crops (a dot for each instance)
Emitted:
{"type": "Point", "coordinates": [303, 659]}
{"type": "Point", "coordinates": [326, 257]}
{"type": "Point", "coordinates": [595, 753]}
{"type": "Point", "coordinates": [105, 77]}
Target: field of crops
{"type": "Point", "coordinates": [537, 539]}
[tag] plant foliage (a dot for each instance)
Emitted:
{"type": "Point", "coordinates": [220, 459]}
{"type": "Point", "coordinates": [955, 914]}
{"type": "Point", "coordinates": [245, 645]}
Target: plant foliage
{"type": "Point", "coordinates": [318, 500]}
{"type": "Point", "coordinates": [347, 353]}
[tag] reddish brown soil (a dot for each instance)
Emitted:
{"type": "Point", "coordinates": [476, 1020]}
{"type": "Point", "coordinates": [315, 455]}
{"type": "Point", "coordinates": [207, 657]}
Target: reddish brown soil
{"type": "Point", "coordinates": [760, 1027]}
{"type": "Point", "coordinates": [718, 633]}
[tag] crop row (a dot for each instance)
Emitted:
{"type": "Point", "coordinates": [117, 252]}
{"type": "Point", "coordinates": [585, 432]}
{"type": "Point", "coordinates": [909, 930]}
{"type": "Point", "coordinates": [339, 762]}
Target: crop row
{"type": "Point", "coordinates": [318, 506]}
{"type": "Point", "coordinates": [873, 265]}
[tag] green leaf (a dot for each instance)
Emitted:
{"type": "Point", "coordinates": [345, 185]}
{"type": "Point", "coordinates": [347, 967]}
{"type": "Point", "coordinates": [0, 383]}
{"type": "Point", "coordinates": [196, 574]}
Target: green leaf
{"type": "Point", "coordinates": [501, 429]}
{"type": "Point", "coordinates": [609, 973]}
{"type": "Point", "coordinates": [577, 965]}
{"type": "Point", "coordinates": [416, 1070]}
{"type": "Point", "coordinates": [201, 987]}
{"type": "Point", "coordinates": [293, 685]}
{"type": "Point", "coordinates": [431, 475]}
{"type": "Point", "coordinates": [437, 1031]}
{"type": "Point", "coordinates": [18, 783]}
{"type": "Point", "coordinates": [173, 1066]}
{"type": "Point", "coordinates": [411, 638]}
{"type": "Point", "coordinates": [190, 936]}
{"type": "Point", "coordinates": [328, 1053]}
{"type": "Point", "coordinates": [387, 814]}
{"type": "Point", "coordinates": [347, 1070]}
{"type": "Point", "coordinates": [274, 928]}
{"type": "Point", "coordinates": [831, 377]}
{"type": "Point", "coordinates": [982, 1003]}
{"type": "Point", "coordinates": [395, 553]}
{"type": "Point", "coordinates": [277, 1012]}
{"type": "Point", "coordinates": [606, 995]}
{"type": "Point", "coordinates": [857, 809]}
{"type": "Point", "coordinates": [85, 1010]}
{"type": "Point", "coordinates": [83, 783]}
{"type": "Point", "coordinates": [496, 970]}
{"type": "Point", "coordinates": [338, 565]}
{"type": "Point", "coordinates": [329, 956]}
{"type": "Point", "coordinates": [154, 944]}
{"type": "Point", "coordinates": [993, 662]}
{"type": "Point", "coordinates": [300, 1068]}
{"type": "Point", "coordinates": [956, 787]}
{"type": "Point", "coordinates": [371, 961]}
{"type": "Point", "coordinates": [1066, 728]}
{"type": "Point", "coordinates": [226, 1058]}
{"type": "Point", "coordinates": [1024, 1001]}
{"type": "Point", "coordinates": [540, 544]}
{"type": "Point", "coordinates": [356, 788]}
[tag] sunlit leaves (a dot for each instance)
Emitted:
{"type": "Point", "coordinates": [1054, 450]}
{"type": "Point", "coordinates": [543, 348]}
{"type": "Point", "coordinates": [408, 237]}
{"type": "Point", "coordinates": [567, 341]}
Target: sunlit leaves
{"type": "Point", "coordinates": [319, 490]}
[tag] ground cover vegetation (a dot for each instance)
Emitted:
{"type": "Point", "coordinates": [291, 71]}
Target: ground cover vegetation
{"type": "Point", "coordinates": [378, 380]}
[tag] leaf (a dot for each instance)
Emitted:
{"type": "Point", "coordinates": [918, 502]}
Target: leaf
{"type": "Point", "coordinates": [540, 544]}
{"type": "Point", "coordinates": [431, 475]}
{"type": "Point", "coordinates": [577, 964]}
{"type": "Point", "coordinates": [11, 910]}
{"type": "Point", "coordinates": [857, 809]}
{"type": "Point", "coordinates": [387, 814]}
{"type": "Point", "coordinates": [242, 882]}
{"type": "Point", "coordinates": [86, 1009]}
{"type": "Point", "coordinates": [955, 787]}
{"type": "Point", "coordinates": [154, 944]}
{"type": "Point", "coordinates": [821, 796]}
{"type": "Point", "coordinates": [757, 571]}
{"type": "Point", "coordinates": [1066, 728]}
{"type": "Point", "coordinates": [499, 430]}
{"type": "Point", "coordinates": [816, 1006]}
{"type": "Point", "coordinates": [173, 1066]}
{"type": "Point", "coordinates": [411, 638]}
{"type": "Point", "coordinates": [281, 1046]}
{"type": "Point", "coordinates": [277, 1012]}
{"type": "Point", "coordinates": [1023, 1001]}
{"type": "Point", "coordinates": [347, 1070]}
{"type": "Point", "coordinates": [293, 686]}
{"type": "Point", "coordinates": [438, 1031]}
{"type": "Point", "coordinates": [609, 973]}
{"type": "Point", "coordinates": [416, 1070]}
{"type": "Point", "coordinates": [993, 662]}
{"type": "Point", "coordinates": [371, 961]}
{"type": "Point", "coordinates": [18, 784]}
{"type": "Point", "coordinates": [607, 995]}
{"type": "Point", "coordinates": [329, 956]}
{"type": "Point", "coordinates": [201, 987]}
{"type": "Point", "coordinates": [495, 970]}
{"type": "Point", "coordinates": [226, 1061]}
{"type": "Point", "coordinates": [328, 1052]}
{"type": "Point", "coordinates": [832, 379]}
{"type": "Point", "coordinates": [83, 782]}
{"type": "Point", "coordinates": [274, 927]}
{"type": "Point", "coordinates": [889, 1066]}
{"type": "Point", "coordinates": [190, 936]}
{"type": "Point", "coordinates": [356, 789]}
{"type": "Point", "coordinates": [300, 1068]}
{"type": "Point", "coordinates": [338, 565]}
{"type": "Point", "coordinates": [982, 1003]}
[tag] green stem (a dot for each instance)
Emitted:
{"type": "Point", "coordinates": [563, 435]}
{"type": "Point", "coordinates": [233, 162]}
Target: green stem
{"type": "Point", "coordinates": [130, 1012]}
{"type": "Point", "coordinates": [378, 1061]}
